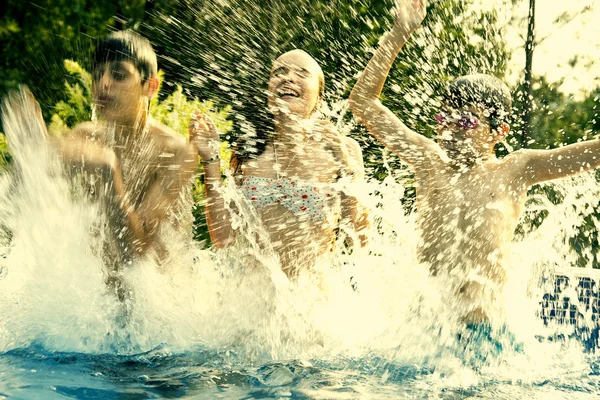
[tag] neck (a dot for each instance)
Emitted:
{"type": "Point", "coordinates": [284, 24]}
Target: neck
{"type": "Point", "coordinates": [129, 131]}
{"type": "Point", "coordinates": [468, 162]}
{"type": "Point", "coordinates": [291, 132]}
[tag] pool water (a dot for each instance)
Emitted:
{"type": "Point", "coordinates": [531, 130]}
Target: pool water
{"type": "Point", "coordinates": [201, 373]}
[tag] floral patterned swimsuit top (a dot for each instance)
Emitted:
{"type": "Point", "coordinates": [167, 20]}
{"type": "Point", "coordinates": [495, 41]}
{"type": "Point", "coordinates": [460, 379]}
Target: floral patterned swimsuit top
{"type": "Point", "coordinates": [298, 197]}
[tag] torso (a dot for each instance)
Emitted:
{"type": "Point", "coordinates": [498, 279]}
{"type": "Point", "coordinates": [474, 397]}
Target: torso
{"type": "Point", "coordinates": [142, 164]}
{"type": "Point", "coordinates": [468, 218]}
{"type": "Point", "coordinates": [299, 230]}
{"type": "Point", "coordinates": [143, 159]}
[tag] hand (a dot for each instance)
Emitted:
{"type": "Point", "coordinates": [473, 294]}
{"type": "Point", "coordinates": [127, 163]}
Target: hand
{"type": "Point", "coordinates": [204, 136]}
{"type": "Point", "coordinates": [87, 155]}
{"type": "Point", "coordinates": [409, 14]}
{"type": "Point", "coordinates": [22, 112]}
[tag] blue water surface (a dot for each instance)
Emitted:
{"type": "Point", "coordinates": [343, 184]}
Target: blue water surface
{"type": "Point", "coordinates": [202, 373]}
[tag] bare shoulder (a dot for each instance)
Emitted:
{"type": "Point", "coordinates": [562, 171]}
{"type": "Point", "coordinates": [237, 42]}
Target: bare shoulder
{"type": "Point", "coordinates": [88, 130]}
{"type": "Point", "coordinates": [167, 139]}
{"type": "Point", "coordinates": [172, 151]}
{"type": "Point", "coordinates": [519, 158]}
{"type": "Point", "coordinates": [516, 167]}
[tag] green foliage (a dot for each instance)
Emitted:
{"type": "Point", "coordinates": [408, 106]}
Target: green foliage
{"type": "Point", "coordinates": [5, 157]}
{"type": "Point", "coordinates": [175, 112]}
{"type": "Point", "coordinates": [222, 51]}
{"type": "Point", "coordinates": [230, 57]}
{"type": "Point", "coordinates": [36, 36]}
{"type": "Point", "coordinates": [78, 104]}
{"type": "Point", "coordinates": [559, 120]}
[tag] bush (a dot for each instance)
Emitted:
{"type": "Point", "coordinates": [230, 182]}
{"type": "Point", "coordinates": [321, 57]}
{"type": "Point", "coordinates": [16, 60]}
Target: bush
{"type": "Point", "coordinates": [5, 157]}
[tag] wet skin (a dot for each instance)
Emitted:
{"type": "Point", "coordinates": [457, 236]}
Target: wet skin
{"type": "Point", "coordinates": [136, 167]}
{"type": "Point", "coordinates": [468, 201]}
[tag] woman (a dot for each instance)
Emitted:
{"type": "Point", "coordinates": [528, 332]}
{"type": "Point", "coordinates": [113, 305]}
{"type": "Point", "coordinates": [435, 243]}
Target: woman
{"type": "Point", "coordinates": [288, 177]}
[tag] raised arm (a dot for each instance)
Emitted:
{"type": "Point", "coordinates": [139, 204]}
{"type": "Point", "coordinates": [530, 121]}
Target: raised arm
{"type": "Point", "coordinates": [544, 165]}
{"type": "Point", "coordinates": [205, 139]}
{"type": "Point", "coordinates": [79, 149]}
{"type": "Point", "coordinates": [364, 99]}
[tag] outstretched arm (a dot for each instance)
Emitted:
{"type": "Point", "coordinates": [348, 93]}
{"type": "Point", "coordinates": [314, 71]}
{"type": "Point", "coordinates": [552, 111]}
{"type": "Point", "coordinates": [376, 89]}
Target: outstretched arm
{"type": "Point", "coordinates": [205, 139]}
{"type": "Point", "coordinates": [364, 99]}
{"type": "Point", "coordinates": [544, 165]}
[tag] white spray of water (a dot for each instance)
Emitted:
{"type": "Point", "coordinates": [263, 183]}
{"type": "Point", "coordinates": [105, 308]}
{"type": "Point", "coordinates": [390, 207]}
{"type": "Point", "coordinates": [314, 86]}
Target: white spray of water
{"type": "Point", "coordinates": [53, 290]}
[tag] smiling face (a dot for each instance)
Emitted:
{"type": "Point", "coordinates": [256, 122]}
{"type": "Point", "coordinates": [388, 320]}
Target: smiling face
{"type": "Point", "coordinates": [295, 85]}
{"type": "Point", "coordinates": [465, 134]}
{"type": "Point", "coordinates": [118, 91]}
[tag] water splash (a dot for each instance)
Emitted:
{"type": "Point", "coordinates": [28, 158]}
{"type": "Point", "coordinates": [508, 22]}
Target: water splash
{"type": "Point", "coordinates": [376, 310]}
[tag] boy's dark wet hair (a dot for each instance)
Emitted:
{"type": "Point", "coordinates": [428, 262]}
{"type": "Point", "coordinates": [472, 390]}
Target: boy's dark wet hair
{"type": "Point", "coordinates": [484, 91]}
{"type": "Point", "coordinates": [127, 46]}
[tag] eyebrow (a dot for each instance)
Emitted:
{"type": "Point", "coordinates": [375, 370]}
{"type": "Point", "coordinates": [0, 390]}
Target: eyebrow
{"type": "Point", "coordinates": [278, 69]}
{"type": "Point", "coordinates": [283, 68]}
{"type": "Point", "coordinates": [119, 65]}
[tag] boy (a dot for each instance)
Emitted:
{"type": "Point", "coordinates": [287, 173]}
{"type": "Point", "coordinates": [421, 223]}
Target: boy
{"type": "Point", "coordinates": [469, 201]}
{"type": "Point", "coordinates": [138, 168]}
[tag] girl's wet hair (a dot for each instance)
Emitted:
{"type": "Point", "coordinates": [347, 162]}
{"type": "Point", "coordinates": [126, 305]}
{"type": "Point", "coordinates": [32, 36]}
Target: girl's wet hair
{"type": "Point", "coordinates": [127, 46]}
{"type": "Point", "coordinates": [484, 91]}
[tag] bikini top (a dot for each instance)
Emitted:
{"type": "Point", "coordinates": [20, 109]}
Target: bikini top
{"type": "Point", "coordinates": [300, 198]}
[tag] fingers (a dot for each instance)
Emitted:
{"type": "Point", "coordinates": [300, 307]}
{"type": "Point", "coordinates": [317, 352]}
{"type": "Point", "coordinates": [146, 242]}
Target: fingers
{"type": "Point", "coordinates": [211, 124]}
{"type": "Point", "coordinates": [195, 121]}
{"type": "Point", "coordinates": [208, 124]}
{"type": "Point", "coordinates": [199, 124]}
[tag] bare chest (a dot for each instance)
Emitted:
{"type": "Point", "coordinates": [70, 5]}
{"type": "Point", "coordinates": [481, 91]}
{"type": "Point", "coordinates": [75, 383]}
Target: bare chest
{"type": "Point", "coordinates": [481, 201]}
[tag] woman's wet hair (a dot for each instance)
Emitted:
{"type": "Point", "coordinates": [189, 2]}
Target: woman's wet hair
{"type": "Point", "coordinates": [127, 46]}
{"type": "Point", "coordinates": [484, 91]}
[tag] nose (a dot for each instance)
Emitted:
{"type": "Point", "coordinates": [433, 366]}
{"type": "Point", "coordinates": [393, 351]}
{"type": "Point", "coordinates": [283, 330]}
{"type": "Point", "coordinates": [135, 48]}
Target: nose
{"type": "Point", "coordinates": [104, 80]}
{"type": "Point", "coordinates": [288, 77]}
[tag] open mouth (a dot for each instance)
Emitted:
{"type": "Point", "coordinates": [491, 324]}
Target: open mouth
{"type": "Point", "coordinates": [288, 93]}
{"type": "Point", "coordinates": [104, 99]}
